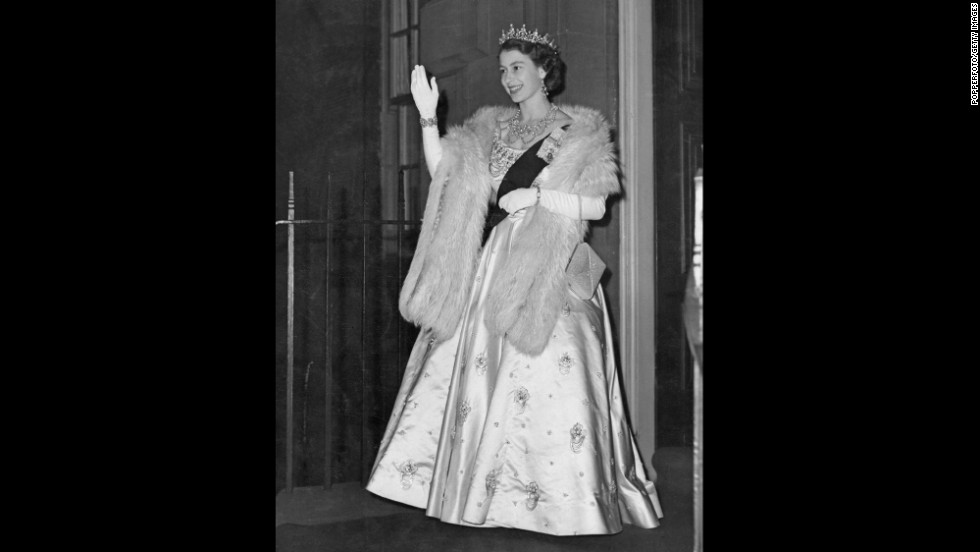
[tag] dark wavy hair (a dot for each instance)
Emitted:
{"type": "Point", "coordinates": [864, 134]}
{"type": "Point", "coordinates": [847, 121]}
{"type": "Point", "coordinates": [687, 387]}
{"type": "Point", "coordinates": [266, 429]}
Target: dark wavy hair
{"type": "Point", "coordinates": [543, 56]}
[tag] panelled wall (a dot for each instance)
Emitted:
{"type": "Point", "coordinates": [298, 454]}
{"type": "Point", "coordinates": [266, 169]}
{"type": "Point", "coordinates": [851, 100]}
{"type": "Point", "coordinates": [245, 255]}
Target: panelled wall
{"type": "Point", "coordinates": [678, 139]}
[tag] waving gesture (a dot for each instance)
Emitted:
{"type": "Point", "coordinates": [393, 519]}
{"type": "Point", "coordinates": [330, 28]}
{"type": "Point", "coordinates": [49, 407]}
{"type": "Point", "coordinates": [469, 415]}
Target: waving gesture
{"type": "Point", "coordinates": [426, 94]}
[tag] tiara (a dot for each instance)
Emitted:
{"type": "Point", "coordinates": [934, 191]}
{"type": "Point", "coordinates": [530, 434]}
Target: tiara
{"type": "Point", "coordinates": [522, 34]}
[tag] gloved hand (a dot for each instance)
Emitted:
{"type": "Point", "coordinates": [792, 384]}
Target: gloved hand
{"type": "Point", "coordinates": [425, 94]}
{"type": "Point", "coordinates": [518, 199]}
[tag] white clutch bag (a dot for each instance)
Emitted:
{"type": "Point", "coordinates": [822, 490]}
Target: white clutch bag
{"type": "Point", "coordinates": [584, 270]}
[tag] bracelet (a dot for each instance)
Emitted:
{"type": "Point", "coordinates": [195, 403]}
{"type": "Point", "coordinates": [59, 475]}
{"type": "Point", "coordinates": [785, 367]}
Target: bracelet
{"type": "Point", "coordinates": [431, 121]}
{"type": "Point", "coordinates": [538, 199]}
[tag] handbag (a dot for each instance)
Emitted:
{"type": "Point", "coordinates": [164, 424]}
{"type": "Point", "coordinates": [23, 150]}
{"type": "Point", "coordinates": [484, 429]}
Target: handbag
{"type": "Point", "coordinates": [584, 270]}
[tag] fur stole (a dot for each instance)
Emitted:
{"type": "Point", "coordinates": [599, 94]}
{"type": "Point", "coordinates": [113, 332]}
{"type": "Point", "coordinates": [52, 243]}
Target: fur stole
{"type": "Point", "coordinates": [527, 293]}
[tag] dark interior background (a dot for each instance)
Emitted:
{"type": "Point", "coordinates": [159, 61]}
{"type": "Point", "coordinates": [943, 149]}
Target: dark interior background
{"type": "Point", "coordinates": [328, 134]}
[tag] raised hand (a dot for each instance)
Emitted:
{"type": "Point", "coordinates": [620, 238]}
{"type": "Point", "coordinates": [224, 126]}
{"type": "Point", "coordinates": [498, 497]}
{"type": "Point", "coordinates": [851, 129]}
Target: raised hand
{"type": "Point", "coordinates": [425, 94]}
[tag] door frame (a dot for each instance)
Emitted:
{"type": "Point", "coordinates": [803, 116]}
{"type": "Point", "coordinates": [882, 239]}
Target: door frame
{"type": "Point", "coordinates": [637, 266]}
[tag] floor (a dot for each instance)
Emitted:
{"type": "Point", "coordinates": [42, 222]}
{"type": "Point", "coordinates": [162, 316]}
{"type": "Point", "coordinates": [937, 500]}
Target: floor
{"type": "Point", "coordinates": [349, 518]}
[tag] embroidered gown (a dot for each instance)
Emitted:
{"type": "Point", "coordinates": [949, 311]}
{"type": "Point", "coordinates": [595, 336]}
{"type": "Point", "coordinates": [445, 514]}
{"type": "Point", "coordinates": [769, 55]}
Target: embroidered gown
{"type": "Point", "coordinates": [483, 435]}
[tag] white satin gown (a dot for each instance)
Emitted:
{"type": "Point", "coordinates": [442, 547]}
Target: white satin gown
{"type": "Point", "coordinates": [485, 436]}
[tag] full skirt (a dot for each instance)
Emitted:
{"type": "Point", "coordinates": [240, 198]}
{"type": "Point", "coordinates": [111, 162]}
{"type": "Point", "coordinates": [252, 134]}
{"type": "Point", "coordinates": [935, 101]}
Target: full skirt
{"type": "Point", "coordinates": [483, 435]}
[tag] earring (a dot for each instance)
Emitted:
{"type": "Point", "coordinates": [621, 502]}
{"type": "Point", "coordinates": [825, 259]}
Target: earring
{"type": "Point", "coordinates": [544, 90]}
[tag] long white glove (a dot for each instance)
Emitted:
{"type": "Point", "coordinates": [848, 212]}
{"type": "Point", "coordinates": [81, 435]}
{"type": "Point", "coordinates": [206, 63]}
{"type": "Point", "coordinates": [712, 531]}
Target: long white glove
{"type": "Point", "coordinates": [426, 95]}
{"type": "Point", "coordinates": [574, 206]}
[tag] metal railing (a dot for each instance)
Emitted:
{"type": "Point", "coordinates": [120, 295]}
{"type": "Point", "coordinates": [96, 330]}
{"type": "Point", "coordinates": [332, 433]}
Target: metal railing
{"type": "Point", "coordinates": [291, 222]}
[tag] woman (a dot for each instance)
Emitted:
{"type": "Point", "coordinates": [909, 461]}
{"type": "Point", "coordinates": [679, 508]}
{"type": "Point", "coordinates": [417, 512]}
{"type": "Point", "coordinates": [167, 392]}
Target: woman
{"type": "Point", "coordinates": [509, 414]}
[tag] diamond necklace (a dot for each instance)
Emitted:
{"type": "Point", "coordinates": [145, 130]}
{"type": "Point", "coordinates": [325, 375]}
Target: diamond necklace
{"type": "Point", "coordinates": [525, 131]}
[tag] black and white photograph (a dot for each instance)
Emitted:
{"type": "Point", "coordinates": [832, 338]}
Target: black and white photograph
{"type": "Point", "coordinates": [489, 275]}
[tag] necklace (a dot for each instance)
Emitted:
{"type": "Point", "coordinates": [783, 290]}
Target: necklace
{"type": "Point", "coordinates": [527, 131]}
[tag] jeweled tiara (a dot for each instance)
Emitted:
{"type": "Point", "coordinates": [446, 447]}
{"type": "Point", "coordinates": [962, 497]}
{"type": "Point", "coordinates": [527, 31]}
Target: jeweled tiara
{"type": "Point", "coordinates": [524, 35]}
